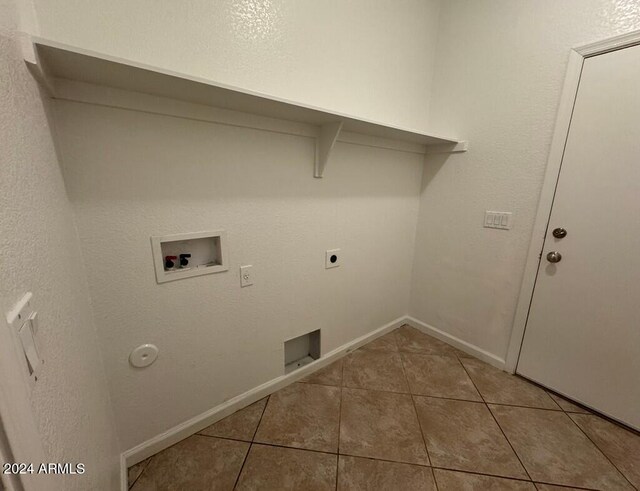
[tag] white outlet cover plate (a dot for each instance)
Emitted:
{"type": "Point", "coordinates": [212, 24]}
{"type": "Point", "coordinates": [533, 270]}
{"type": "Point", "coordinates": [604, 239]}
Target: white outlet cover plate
{"type": "Point", "coordinates": [329, 255]}
{"type": "Point", "coordinates": [246, 275]}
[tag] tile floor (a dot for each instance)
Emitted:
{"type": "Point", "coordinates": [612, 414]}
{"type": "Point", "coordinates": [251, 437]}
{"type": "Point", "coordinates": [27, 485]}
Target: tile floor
{"type": "Point", "coordinates": [404, 412]}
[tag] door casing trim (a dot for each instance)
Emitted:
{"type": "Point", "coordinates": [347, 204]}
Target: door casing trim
{"type": "Point", "coordinates": [552, 173]}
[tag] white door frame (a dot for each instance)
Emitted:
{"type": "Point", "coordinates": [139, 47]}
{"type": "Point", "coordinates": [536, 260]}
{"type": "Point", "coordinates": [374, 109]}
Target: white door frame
{"type": "Point", "coordinates": [552, 173]}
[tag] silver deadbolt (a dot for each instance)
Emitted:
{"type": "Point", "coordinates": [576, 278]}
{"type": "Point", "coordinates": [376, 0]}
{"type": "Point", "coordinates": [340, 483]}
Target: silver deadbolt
{"type": "Point", "coordinates": [554, 257]}
{"type": "Point", "coordinates": [559, 233]}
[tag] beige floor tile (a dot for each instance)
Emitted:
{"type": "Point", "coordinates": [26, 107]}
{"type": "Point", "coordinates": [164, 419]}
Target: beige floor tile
{"type": "Point", "coordinates": [358, 474]}
{"type": "Point", "coordinates": [567, 405]}
{"type": "Point", "coordinates": [199, 462]}
{"type": "Point", "coordinates": [380, 425]}
{"type": "Point", "coordinates": [554, 450]}
{"type": "Point", "coordinates": [375, 370]}
{"type": "Point", "coordinates": [463, 435]}
{"type": "Point", "coordinates": [440, 376]}
{"type": "Point", "coordinates": [329, 375]}
{"type": "Point", "coordinates": [500, 387]}
{"type": "Point", "coordinates": [622, 446]}
{"type": "Point", "coordinates": [133, 473]}
{"type": "Point", "coordinates": [280, 468]}
{"type": "Point", "coordinates": [383, 343]}
{"type": "Point", "coordinates": [302, 416]}
{"type": "Point", "coordinates": [411, 340]}
{"type": "Point", "coordinates": [462, 354]}
{"type": "Point", "coordinates": [241, 425]}
{"type": "Point", "coordinates": [463, 481]}
{"type": "Point", "coordinates": [551, 487]}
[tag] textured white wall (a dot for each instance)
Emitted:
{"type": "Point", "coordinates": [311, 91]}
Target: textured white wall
{"type": "Point", "coordinates": [497, 79]}
{"type": "Point", "coordinates": [40, 253]}
{"type": "Point", "coordinates": [131, 175]}
{"type": "Point", "coordinates": [369, 59]}
{"type": "Point", "coordinates": [498, 76]}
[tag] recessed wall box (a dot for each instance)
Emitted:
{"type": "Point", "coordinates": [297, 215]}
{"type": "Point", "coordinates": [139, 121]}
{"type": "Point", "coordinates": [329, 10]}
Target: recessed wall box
{"type": "Point", "coordinates": [198, 252]}
{"type": "Point", "coordinates": [301, 351]}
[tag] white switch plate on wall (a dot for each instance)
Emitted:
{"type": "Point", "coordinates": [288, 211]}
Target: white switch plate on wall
{"type": "Point", "coordinates": [498, 219]}
{"type": "Point", "coordinates": [23, 319]}
{"type": "Point", "coordinates": [246, 275]}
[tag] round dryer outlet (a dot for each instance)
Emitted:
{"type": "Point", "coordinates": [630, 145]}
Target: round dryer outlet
{"type": "Point", "coordinates": [332, 258]}
{"type": "Point", "coordinates": [144, 355]}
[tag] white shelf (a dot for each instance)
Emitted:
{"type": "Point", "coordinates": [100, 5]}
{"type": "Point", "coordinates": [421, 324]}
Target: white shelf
{"type": "Point", "coordinates": [54, 60]}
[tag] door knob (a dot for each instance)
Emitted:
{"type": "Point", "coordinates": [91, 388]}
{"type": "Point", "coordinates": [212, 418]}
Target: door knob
{"type": "Point", "coordinates": [559, 233]}
{"type": "Point", "coordinates": [554, 257]}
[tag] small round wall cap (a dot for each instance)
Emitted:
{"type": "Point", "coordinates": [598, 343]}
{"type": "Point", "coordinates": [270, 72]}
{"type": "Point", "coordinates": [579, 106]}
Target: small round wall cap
{"type": "Point", "coordinates": [144, 355]}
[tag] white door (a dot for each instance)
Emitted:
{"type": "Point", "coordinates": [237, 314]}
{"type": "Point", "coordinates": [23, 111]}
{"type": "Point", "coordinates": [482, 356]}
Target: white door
{"type": "Point", "coordinates": [583, 331]}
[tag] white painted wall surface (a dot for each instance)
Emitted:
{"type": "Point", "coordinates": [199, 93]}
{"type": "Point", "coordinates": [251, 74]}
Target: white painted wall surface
{"type": "Point", "coordinates": [40, 253]}
{"type": "Point", "coordinates": [369, 59]}
{"type": "Point", "coordinates": [498, 76]}
{"type": "Point", "coordinates": [131, 175]}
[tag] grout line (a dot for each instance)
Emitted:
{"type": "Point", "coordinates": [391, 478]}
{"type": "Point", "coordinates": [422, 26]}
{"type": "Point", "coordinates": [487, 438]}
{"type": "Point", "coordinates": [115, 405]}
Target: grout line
{"type": "Point", "coordinates": [144, 468]}
{"type": "Point", "coordinates": [413, 463]}
{"type": "Point", "coordinates": [510, 445]}
{"type": "Point", "coordinates": [244, 461]}
{"type": "Point", "coordinates": [554, 401]}
{"type": "Point", "coordinates": [323, 452]}
{"type": "Point", "coordinates": [415, 410]}
{"type": "Point", "coordinates": [592, 412]}
{"type": "Point", "coordinates": [494, 418]}
{"type": "Point", "coordinates": [563, 486]}
{"type": "Point", "coordinates": [600, 450]}
{"type": "Point", "coordinates": [251, 442]}
{"type": "Point", "coordinates": [524, 407]}
{"type": "Point", "coordinates": [435, 467]}
{"type": "Point", "coordinates": [476, 473]}
{"type": "Point", "coordinates": [424, 440]}
{"type": "Point", "coordinates": [338, 453]}
{"type": "Point", "coordinates": [264, 410]}
{"type": "Point", "coordinates": [224, 438]}
{"type": "Point", "coordinates": [462, 471]}
{"type": "Point", "coordinates": [403, 462]}
{"type": "Point", "coordinates": [435, 481]}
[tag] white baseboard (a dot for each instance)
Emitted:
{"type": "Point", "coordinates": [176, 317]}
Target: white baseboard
{"type": "Point", "coordinates": [197, 423]}
{"type": "Point", "coordinates": [472, 349]}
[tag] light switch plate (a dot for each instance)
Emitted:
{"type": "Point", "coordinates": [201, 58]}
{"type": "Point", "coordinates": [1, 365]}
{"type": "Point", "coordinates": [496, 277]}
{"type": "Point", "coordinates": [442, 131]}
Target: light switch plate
{"type": "Point", "coordinates": [23, 320]}
{"type": "Point", "coordinates": [246, 275]}
{"type": "Point", "coordinates": [498, 219]}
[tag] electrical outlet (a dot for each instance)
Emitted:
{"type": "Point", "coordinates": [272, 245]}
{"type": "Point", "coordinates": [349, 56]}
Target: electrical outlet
{"type": "Point", "coordinates": [498, 219]}
{"type": "Point", "coordinates": [332, 258]}
{"type": "Point", "coordinates": [246, 275]}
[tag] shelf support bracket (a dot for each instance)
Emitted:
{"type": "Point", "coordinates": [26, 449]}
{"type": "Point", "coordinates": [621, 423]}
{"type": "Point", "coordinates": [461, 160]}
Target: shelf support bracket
{"type": "Point", "coordinates": [459, 147]}
{"type": "Point", "coordinates": [34, 64]}
{"type": "Point", "coordinates": [324, 144]}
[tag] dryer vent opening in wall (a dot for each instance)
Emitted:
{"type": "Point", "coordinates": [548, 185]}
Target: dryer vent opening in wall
{"type": "Point", "coordinates": [301, 351]}
{"type": "Point", "coordinates": [186, 255]}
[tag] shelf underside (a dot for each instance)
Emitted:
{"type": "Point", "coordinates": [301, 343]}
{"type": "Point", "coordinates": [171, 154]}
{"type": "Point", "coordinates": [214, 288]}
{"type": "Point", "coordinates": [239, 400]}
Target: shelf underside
{"type": "Point", "coordinates": [65, 62]}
